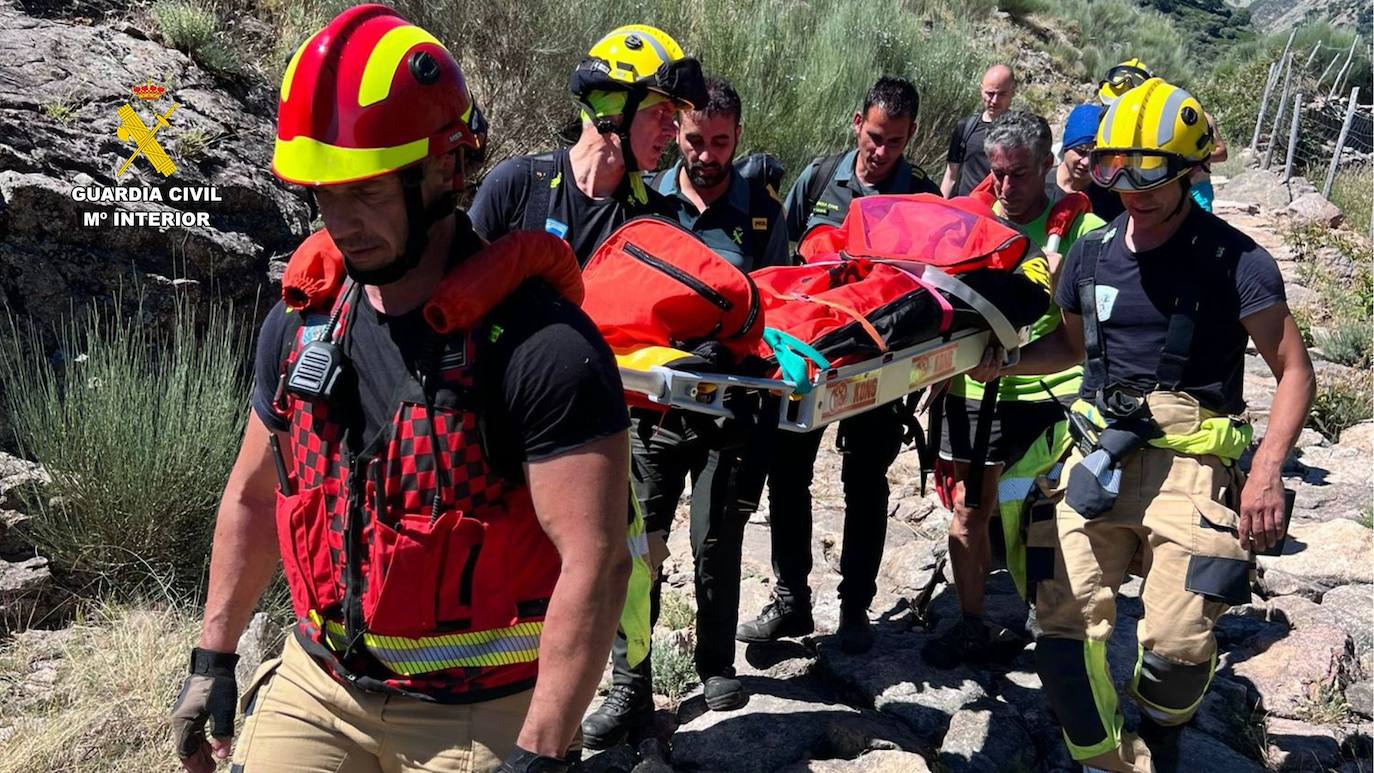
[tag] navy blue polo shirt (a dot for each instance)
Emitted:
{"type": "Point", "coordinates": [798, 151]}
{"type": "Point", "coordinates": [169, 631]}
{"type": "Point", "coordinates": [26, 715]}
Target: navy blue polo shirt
{"type": "Point", "coordinates": [743, 226]}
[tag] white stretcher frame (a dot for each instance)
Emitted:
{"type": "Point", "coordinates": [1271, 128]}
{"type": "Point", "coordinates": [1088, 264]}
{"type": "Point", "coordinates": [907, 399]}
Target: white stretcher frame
{"type": "Point", "coordinates": [839, 393]}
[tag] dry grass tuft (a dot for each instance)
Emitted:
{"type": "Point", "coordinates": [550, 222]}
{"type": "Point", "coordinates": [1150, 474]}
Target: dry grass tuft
{"type": "Point", "coordinates": [94, 697]}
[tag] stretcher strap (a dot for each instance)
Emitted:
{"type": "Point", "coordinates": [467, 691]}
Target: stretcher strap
{"type": "Point", "coordinates": [1001, 327]}
{"type": "Point", "coordinates": [849, 312]}
{"type": "Point", "coordinates": [946, 308]}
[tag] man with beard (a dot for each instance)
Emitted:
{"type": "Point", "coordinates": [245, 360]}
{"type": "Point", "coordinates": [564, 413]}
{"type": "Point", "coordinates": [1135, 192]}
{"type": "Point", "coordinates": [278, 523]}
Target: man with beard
{"type": "Point", "coordinates": [742, 221]}
{"type": "Point", "coordinates": [383, 451]}
{"type": "Point", "coordinates": [868, 442]}
{"type": "Point", "coordinates": [629, 87]}
{"type": "Point", "coordinates": [737, 217]}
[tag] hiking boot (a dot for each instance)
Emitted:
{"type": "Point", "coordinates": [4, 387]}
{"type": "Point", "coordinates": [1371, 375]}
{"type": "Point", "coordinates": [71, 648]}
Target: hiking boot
{"type": "Point", "coordinates": [778, 620]}
{"type": "Point", "coordinates": [1162, 741]}
{"type": "Point", "coordinates": [971, 641]}
{"type": "Point", "coordinates": [626, 708]}
{"type": "Point", "coordinates": [724, 693]}
{"type": "Point", "coordinates": [855, 632]}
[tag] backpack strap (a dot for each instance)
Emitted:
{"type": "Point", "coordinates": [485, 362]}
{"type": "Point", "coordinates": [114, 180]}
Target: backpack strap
{"type": "Point", "coordinates": [1182, 324]}
{"type": "Point", "coordinates": [823, 173]}
{"type": "Point", "coordinates": [982, 439]}
{"type": "Point", "coordinates": [1095, 355]}
{"type": "Point", "coordinates": [970, 125]}
{"type": "Point", "coordinates": [543, 179]}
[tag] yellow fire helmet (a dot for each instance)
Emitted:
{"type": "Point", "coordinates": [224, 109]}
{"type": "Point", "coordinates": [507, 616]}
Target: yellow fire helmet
{"type": "Point", "coordinates": [1121, 79]}
{"type": "Point", "coordinates": [629, 69]}
{"type": "Point", "coordinates": [1153, 134]}
{"type": "Point", "coordinates": [636, 60]}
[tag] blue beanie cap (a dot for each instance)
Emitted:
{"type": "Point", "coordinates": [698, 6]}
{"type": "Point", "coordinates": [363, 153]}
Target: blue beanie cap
{"type": "Point", "coordinates": [1081, 128]}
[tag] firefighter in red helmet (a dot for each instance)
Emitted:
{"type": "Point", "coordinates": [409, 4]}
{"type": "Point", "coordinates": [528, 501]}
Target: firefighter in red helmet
{"type": "Point", "coordinates": [421, 482]}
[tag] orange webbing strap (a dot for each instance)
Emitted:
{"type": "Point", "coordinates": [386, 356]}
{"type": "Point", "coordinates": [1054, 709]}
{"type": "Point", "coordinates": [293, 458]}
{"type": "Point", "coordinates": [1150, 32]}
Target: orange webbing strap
{"type": "Point", "coordinates": [849, 312]}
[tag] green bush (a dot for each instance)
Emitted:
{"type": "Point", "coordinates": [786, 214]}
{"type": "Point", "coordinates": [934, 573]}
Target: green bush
{"type": "Point", "coordinates": [1232, 97]}
{"type": "Point", "coordinates": [674, 672]}
{"type": "Point", "coordinates": [185, 26]}
{"type": "Point", "coordinates": [138, 430]}
{"type": "Point", "coordinates": [1353, 192]}
{"type": "Point", "coordinates": [1348, 343]}
{"type": "Point", "coordinates": [1111, 31]}
{"type": "Point", "coordinates": [1341, 403]}
{"type": "Point", "coordinates": [1019, 8]}
{"type": "Point", "coordinates": [675, 612]}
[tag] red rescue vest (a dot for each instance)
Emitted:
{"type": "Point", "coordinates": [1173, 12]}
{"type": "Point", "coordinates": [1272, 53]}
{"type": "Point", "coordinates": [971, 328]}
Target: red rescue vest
{"type": "Point", "coordinates": [445, 601]}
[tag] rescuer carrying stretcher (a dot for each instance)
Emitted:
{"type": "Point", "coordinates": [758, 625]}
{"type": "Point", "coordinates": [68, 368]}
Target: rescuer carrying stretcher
{"type": "Point", "coordinates": [1157, 307]}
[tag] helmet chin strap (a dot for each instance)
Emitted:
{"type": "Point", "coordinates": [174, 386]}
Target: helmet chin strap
{"type": "Point", "coordinates": [1182, 200]}
{"type": "Point", "coordinates": [627, 117]}
{"type": "Point", "coordinates": [419, 220]}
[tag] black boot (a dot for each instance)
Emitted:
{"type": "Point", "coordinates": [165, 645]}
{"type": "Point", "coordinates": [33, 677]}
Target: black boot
{"type": "Point", "coordinates": [778, 620]}
{"type": "Point", "coordinates": [724, 693]}
{"type": "Point", "coordinates": [626, 708]}
{"type": "Point", "coordinates": [855, 632]}
{"type": "Point", "coordinates": [1162, 741]}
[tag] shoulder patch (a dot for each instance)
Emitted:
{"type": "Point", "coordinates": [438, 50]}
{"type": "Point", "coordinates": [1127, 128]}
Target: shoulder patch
{"type": "Point", "coordinates": [313, 327]}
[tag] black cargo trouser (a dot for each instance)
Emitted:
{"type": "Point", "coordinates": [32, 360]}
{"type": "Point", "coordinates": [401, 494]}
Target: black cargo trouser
{"type": "Point", "coordinates": [666, 450]}
{"type": "Point", "coordinates": [868, 445]}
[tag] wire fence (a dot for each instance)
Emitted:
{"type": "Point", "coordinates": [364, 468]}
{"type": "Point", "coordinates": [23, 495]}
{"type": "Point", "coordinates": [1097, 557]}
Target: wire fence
{"type": "Point", "coordinates": [1311, 121]}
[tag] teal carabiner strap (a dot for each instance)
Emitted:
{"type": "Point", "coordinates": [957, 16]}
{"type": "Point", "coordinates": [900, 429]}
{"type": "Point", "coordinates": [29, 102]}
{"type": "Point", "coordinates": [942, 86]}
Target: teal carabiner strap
{"type": "Point", "coordinates": [793, 356]}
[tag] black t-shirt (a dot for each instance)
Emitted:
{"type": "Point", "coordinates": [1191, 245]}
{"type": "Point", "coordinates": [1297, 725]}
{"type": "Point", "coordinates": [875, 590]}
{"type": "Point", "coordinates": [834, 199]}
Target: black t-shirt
{"type": "Point", "coordinates": [1135, 297]}
{"type": "Point", "coordinates": [966, 149]}
{"type": "Point", "coordinates": [561, 388]}
{"type": "Point", "coordinates": [575, 217]}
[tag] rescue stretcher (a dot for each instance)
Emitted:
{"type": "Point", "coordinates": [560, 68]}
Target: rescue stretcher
{"type": "Point", "coordinates": [840, 392]}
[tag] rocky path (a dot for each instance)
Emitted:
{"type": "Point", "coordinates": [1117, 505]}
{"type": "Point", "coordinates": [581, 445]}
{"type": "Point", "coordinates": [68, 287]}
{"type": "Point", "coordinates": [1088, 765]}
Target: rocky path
{"type": "Point", "coordinates": [1292, 690]}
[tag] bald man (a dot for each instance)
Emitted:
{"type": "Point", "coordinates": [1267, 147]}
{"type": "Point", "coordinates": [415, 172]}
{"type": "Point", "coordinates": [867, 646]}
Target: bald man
{"type": "Point", "coordinates": [966, 165]}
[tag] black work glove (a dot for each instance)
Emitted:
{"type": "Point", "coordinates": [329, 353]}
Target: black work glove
{"type": "Point", "coordinates": [209, 692]}
{"type": "Point", "coordinates": [521, 761]}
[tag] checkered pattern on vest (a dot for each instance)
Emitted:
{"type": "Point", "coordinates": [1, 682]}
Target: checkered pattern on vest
{"type": "Point", "coordinates": [402, 460]}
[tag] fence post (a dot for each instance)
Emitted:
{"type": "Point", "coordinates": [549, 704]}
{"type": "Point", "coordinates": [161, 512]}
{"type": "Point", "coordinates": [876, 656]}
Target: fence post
{"type": "Point", "coordinates": [1349, 67]}
{"type": "Point", "coordinates": [1293, 137]}
{"type": "Point", "coordinates": [1312, 55]}
{"type": "Point", "coordinates": [1340, 141]}
{"type": "Point", "coordinates": [1278, 119]}
{"type": "Point", "coordinates": [1264, 104]}
{"type": "Point", "coordinates": [1289, 45]}
{"type": "Point", "coordinates": [1340, 74]}
{"type": "Point", "coordinates": [1325, 72]}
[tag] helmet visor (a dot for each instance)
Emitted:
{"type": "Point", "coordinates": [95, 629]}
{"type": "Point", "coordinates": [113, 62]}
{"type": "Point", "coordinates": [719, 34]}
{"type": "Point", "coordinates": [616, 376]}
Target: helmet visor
{"type": "Point", "coordinates": [1135, 170]}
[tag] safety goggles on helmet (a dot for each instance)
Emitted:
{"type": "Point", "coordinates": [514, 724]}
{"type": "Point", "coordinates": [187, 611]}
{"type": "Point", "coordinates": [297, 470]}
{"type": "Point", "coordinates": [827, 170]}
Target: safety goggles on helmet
{"type": "Point", "coordinates": [1136, 170]}
{"type": "Point", "coordinates": [1125, 76]}
{"type": "Point", "coordinates": [680, 80]}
